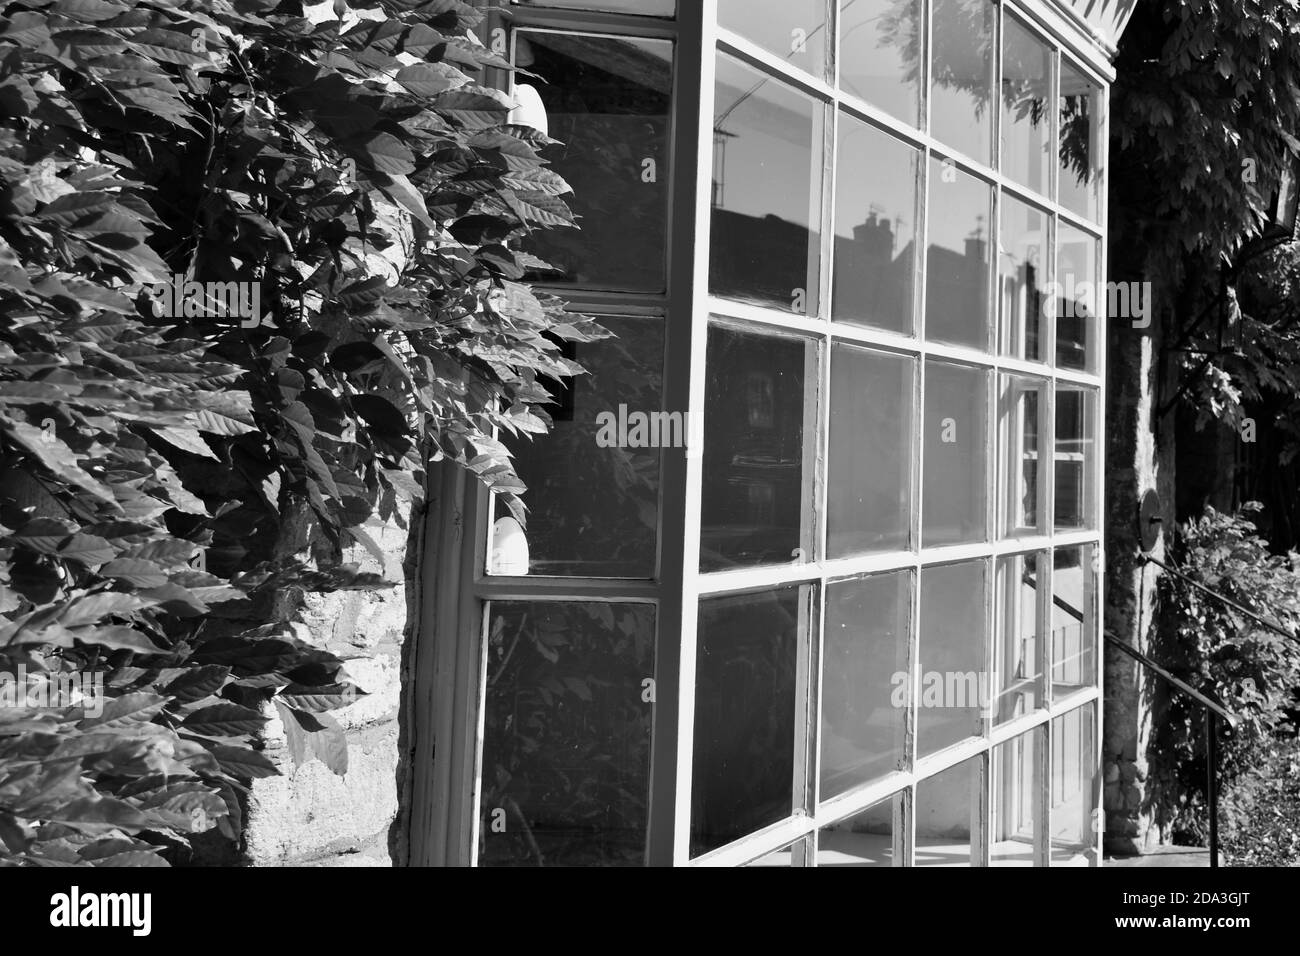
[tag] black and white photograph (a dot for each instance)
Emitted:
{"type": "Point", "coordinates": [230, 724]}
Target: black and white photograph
{"type": "Point", "coordinates": [651, 433]}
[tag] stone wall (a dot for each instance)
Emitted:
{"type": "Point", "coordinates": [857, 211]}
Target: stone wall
{"type": "Point", "coordinates": [309, 815]}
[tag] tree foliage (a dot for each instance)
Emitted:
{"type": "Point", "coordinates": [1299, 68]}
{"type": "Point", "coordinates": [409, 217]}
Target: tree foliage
{"type": "Point", "coordinates": [171, 472]}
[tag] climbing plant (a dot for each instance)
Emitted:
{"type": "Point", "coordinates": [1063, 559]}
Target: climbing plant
{"type": "Point", "coordinates": [258, 264]}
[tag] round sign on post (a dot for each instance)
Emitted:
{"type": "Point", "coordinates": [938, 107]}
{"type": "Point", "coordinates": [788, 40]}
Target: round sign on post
{"type": "Point", "coordinates": [1149, 521]}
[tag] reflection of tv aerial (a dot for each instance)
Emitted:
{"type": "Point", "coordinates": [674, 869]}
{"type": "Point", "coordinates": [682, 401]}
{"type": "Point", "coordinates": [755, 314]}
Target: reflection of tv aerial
{"type": "Point", "coordinates": [720, 138]}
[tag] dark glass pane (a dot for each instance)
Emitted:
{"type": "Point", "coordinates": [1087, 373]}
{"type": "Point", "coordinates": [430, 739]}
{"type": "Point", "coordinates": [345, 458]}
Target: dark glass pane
{"type": "Point", "coordinates": [955, 485]}
{"type": "Point", "coordinates": [957, 271]}
{"type": "Point", "coordinates": [1081, 107]}
{"type": "Point", "coordinates": [649, 8]}
{"type": "Point", "coordinates": [767, 142]}
{"type": "Point", "coordinates": [756, 475]}
{"type": "Point", "coordinates": [869, 490]}
{"type": "Point", "coordinates": [566, 735]}
{"type": "Point", "coordinates": [947, 816]}
{"type": "Point", "coordinates": [1078, 299]}
{"type": "Point", "coordinates": [954, 687]}
{"type": "Point", "coordinates": [875, 228]}
{"type": "Point", "coordinates": [747, 658]}
{"type": "Point", "coordinates": [880, 54]}
{"type": "Point", "coordinates": [1022, 278]}
{"type": "Point", "coordinates": [1026, 97]}
{"type": "Point", "coordinates": [961, 88]}
{"type": "Point", "coordinates": [607, 102]}
{"type": "Point", "coordinates": [794, 30]}
{"type": "Point", "coordinates": [864, 680]}
{"type": "Point", "coordinates": [593, 505]}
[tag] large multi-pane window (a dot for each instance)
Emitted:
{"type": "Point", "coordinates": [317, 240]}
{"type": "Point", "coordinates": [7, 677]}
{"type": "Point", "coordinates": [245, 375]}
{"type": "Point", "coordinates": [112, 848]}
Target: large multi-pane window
{"type": "Point", "coordinates": [810, 574]}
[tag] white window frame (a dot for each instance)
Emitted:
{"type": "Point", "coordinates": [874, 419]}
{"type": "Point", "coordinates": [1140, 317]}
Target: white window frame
{"type": "Point", "coordinates": [446, 717]}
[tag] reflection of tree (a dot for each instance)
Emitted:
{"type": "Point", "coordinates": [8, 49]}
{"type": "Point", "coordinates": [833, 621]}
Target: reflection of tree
{"type": "Point", "coordinates": [962, 42]}
{"type": "Point", "coordinates": [566, 745]}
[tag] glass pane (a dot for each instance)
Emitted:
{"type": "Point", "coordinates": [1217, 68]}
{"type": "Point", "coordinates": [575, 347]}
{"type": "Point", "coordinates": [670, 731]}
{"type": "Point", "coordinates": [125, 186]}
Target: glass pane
{"type": "Point", "coordinates": [1074, 619]}
{"type": "Point", "coordinates": [606, 100]}
{"type": "Point", "coordinates": [757, 467]}
{"type": "Point", "coordinates": [1022, 406]}
{"type": "Point", "coordinates": [1076, 415]}
{"type": "Point", "coordinates": [1016, 801]}
{"type": "Point", "coordinates": [1074, 787]}
{"type": "Point", "coordinates": [1026, 119]}
{"type": "Point", "coordinates": [593, 482]}
{"type": "Point", "coordinates": [869, 495]}
{"type": "Point", "coordinates": [1022, 278]}
{"type": "Point", "coordinates": [767, 141]}
{"type": "Point", "coordinates": [1017, 678]}
{"type": "Point", "coordinates": [865, 839]}
{"type": "Point", "coordinates": [961, 87]}
{"type": "Point", "coordinates": [745, 700]}
{"type": "Point", "coordinates": [880, 54]}
{"type": "Point", "coordinates": [959, 261]}
{"type": "Point", "coordinates": [875, 228]}
{"type": "Point", "coordinates": [947, 807]}
{"type": "Point", "coordinates": [954, 492]}
{"type": "Point", "coordinates": [1081, 107]}
{"type": "Point", "coordinates": [795, 30]}
{"type": "Point", "coordinates": [566, 734]}
{"type": "Point", "coordinates": [954, 688]}
{"type": "Point", "coordinates": [1077, 298]}
{"type": "Point", "coordinates": [649, 8]}
{"type": "Point", "coordinates": [864, 680]}
{"type": "Point", "coordinates": [782, 857]}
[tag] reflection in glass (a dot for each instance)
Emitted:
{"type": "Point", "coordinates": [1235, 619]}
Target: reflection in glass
{"type": "Point", "coordinates": [767, 141]}
{"type": "Point", "coordinates": [1079, 299]}
{"type": "Point", "coordinates": [1017, 679]}
{"type": "Point", "coordinates": [1074, 619]}
{"type": "Point", "coordinates": [1076, 410]}
{"type": "Point", "coordinates": [782, 857]}
{"type": "Point", "coordinates": [880, 54]}
{"type": "Point", "coordinates": [864, 839]}
{"type": "Point", "coordinates": [875, 228]}
{"type": "Point", "coordinates": [566, 735]}
{"type": "Point", "coordinates": [755, 495]}
{"type": "Point", "coordinates": [959, 260]}
{"type": "Point", "coordinates": [869, 488]}
{"type": "Point", "coordinates": [864, 680]}
{"type": "Point", "coordinates": [745, 698]}
{"type": "Point", "coordinates": [1016, 801]}
{"type": "Point", "coordinates": [1074, 787]}
{"type": "Point", "coordinates": [607, 101]}
{"type": "Point", "coordinates": [947, 822]}
{"type": "Point", "coordinates": [593, 511]}
{"type": "Point", "coordinates": [961, 86]}
{"type": "Point", "coordinates": [650, 8]}
{"type": "Point", "coordinates": [954, 489]}
{"type": "Point", "coordinates": [954, 687]}
{"type": "Point", "coordinates": [1022, 404]}
{"type": "Point", "coordinates": [1081, 106]}
{"type": "Point", "coordinates": [1026, 119]}
{"type": "Point", "coordinates": [1022, 278]}
{"type": "Point", "coordinates": [794, 30]}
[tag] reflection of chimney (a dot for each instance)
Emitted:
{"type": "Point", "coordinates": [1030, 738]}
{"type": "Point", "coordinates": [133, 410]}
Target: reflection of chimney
{"type": "Point", "coordinates": [875, 237]}
{"type": "Point", "coordinates": [976, 246]}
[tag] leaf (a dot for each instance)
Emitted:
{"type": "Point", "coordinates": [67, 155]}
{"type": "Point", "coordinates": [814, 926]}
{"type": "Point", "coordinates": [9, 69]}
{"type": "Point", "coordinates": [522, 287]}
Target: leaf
{"type": "Point", "coordinates": [317, 700]}
{"type": "Point", "coordinates": [186, 439]}
{"type": "Point", "coordinates": [430, 79]}
{"type": "Point", "coordinates": [123, 712]}
{"type": "Point", "coordinates": [385, 153]}
{"type": "Point", "coordinates": [94, 608]}
{"type": "Point", "coordinates": [380, 414]}
{"type": "Point", "coordinates": [224, 720]}
{"type": "Point", "coordinates": [244, 763]}
{"type": "Point", "coordinates": [198, 683]}
{"type": "Point", "coordinates": [137, 573]}
{"type": "Point", "coordinates": [116, 638]}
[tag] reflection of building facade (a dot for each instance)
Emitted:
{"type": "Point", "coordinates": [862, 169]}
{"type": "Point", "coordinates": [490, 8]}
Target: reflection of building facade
{"type": "Point", "coordinates": [838, 265]}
